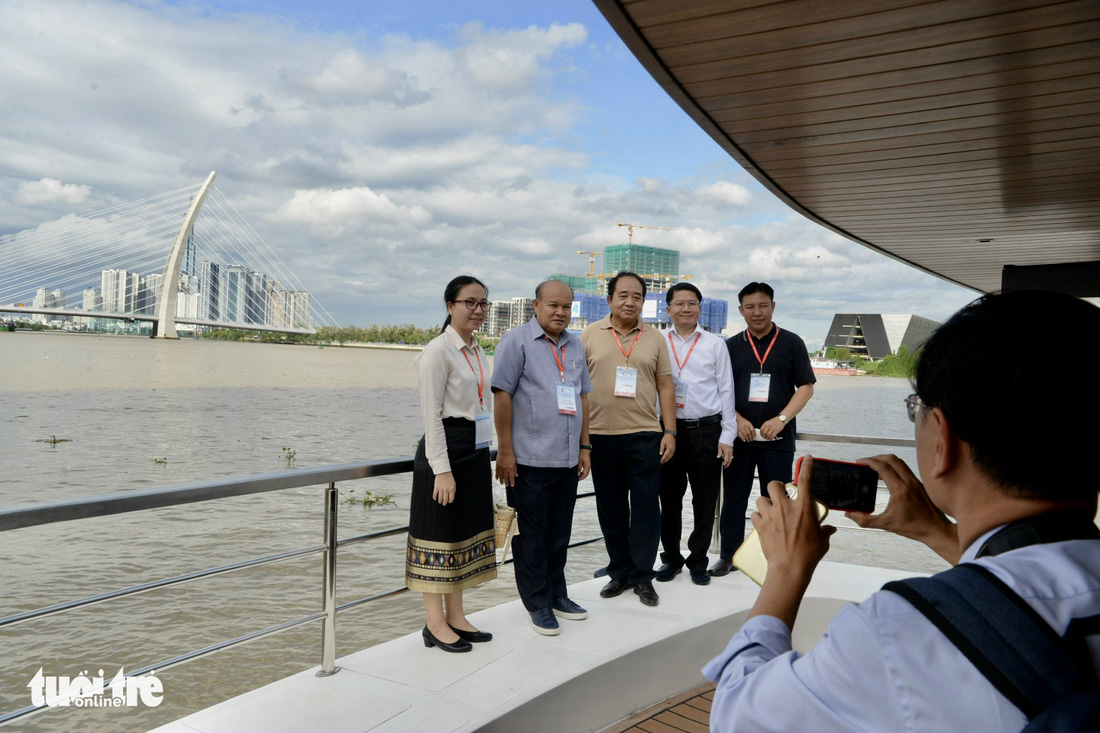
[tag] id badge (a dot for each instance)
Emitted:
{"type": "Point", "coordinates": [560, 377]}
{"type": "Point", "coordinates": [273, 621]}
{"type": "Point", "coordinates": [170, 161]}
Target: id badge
{"type": "Point", "coordinates": [626, 381]}
{"type": "Point", "coordinates": [681, 392]}
{"type": "Point", "coordinates": [759, 384]}
{"type": "Point", "coordinates": [483, 431]}
{"type": "Point", "coordinates": [567, 399]}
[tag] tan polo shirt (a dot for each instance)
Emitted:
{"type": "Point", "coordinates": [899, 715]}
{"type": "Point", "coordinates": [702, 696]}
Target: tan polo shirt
{"type": "Point", "coordinates": [611, 415]}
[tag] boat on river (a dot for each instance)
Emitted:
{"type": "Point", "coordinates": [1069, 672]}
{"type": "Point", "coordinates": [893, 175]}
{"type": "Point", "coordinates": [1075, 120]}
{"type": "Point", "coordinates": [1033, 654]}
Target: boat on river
{"type": "Point", "coordinates": [961, 138]}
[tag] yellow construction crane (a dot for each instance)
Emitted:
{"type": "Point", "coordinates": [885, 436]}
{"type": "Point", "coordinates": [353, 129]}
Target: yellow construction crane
{"type": "Point", "coordinates": [631, 227]}
{"type": "Point", "coordinates": [591, 261]}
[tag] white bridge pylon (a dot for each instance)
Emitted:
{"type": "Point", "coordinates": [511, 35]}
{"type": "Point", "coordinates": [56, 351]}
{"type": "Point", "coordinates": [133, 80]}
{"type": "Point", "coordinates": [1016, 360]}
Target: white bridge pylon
{"type": "Point", "coordinates": [110, 265]}
{"type": "Point", "coordinates": [165, 312]}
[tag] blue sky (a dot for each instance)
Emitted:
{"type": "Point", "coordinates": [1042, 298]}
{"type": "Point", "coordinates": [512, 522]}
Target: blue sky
{"type": "Point", "coordinates": [381, 148]}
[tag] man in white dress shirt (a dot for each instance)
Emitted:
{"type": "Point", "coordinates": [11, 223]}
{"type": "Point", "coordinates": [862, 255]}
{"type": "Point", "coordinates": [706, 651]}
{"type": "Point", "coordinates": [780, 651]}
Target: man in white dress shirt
{"type": "Point", "coordinates": [706, 425]}
{"type": "Point", "coordinates": [1024, 501]}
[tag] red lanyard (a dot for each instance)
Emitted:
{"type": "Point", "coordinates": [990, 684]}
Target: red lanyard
{"type": "Point", "coordinates": [626, 354]}
{"type": "Point", "coordinates": [559, 362]}
{"type": "Point", "coordinates": [679, 366]}
{"type": "Point", "coordinates": [753, 345]}
{"type": "Point", "coordinates": [481, 379]}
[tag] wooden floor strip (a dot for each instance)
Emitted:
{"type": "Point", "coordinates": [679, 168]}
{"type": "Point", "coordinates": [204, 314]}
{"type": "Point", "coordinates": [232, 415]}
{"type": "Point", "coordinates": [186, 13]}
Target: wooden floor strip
{"type": "Point", "coordinates": [688, 712]}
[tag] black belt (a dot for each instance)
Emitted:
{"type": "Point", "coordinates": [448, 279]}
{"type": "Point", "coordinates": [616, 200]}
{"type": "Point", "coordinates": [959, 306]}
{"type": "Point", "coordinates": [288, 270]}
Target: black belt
{"type": "Point", "coordinates": [699, 422]}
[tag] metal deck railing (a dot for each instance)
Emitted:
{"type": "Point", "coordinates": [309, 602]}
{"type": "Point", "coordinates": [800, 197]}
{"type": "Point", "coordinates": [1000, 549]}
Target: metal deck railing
{"type": "Point", "coordinates": [223, 488]}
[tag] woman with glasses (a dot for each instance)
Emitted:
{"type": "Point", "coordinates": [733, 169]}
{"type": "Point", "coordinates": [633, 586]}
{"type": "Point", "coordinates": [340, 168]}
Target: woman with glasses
{"type": "Point", "coordinates": [451, 546]}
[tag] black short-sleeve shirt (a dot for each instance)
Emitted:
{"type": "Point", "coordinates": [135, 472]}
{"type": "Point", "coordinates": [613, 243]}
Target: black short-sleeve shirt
{"type": "Point", "coordinates": [789, 367]}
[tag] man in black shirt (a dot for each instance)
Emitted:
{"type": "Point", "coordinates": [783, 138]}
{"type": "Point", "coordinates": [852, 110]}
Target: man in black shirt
{"type": "Point", "coordinates": [773, 381]}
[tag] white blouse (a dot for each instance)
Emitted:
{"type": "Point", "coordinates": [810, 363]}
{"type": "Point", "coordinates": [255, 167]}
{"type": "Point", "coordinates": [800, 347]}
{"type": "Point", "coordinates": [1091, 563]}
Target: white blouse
{"type": "Point", "coordinates": [448, 371]}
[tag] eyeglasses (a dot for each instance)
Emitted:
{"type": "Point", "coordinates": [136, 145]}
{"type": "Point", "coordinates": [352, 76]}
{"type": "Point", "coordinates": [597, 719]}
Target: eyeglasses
{"type": "Point", "coordinates": [685, 304]}
{"type": "Point", "coordinates": [912, 402]}
{"type": "Point", "coordinates": [472, 304]}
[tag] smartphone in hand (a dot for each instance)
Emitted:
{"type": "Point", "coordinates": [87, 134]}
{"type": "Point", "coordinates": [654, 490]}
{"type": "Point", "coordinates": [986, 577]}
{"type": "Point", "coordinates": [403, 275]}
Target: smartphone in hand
{"type": "Point", "coordinates": [846, 487]}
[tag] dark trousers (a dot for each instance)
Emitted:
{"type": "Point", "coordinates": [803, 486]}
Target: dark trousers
{"type": "Point", "coordinates": [695, 460]}
{"type": "Point", "coordinates": [772, 465]}
{"type": "Point", "coordinates": [543, 499]}
{"type": "Point", "coordinates": [626, 473]}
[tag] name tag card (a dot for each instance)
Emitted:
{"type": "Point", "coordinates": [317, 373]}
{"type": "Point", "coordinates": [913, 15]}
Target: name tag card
{"type": "Point", "coordinates": [567, 399]}
{"type": "Point", "coordinates": [759, 384]}
{"type": "Point", "coordinates": [681, 392]}
{"type": "Point", "coordinates": [626, 381]}
{"type": "Point", "coordinates": [483, 431]}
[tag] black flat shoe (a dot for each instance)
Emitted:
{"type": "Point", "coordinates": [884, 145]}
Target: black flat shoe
{"type": "Point", "coordinates": [721, 567]}
{"type": "Point", "coordinates": [474, 637]}
{"type": "Point", "coordinates": [699, 576]}
{"type": "Point", "coordinates": [666, 573]}
{"type": "Point", "coordinates": [459, 646]}
{"type": "Point", "coordinates": [614, 587]}
{"type": "Point", "coordinates": [646, 594]}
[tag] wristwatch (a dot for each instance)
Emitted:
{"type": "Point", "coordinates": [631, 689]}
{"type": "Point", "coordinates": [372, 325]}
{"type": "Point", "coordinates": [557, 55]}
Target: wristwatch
{"type": "Point", "coordinates": [671, 432]}
{"type": "Point", "coordinates": [783, 419]}
{"type": "Point", "coordinates": [585, 447]}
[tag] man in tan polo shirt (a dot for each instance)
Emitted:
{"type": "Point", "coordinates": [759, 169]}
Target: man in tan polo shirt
{"type": "Point", "coordinates": [630, 369]}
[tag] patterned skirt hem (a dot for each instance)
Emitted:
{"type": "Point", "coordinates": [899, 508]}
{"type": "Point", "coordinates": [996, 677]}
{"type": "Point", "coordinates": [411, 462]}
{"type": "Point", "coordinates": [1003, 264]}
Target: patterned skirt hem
{"type": "Point", "coordinates": [448, 567]}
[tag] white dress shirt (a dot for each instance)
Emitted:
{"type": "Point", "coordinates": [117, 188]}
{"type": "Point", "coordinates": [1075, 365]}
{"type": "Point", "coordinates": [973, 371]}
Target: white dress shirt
{"type": "Point", "coordinates": [448, 371]}
{"type": "Point", "coordinates": [708, 373]}
{"type": "Point", "coordinates": [883, 666]}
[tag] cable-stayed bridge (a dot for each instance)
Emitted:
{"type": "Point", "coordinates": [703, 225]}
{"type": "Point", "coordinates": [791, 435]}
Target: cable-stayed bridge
{"type": "Point", "coordinates": [182, 257]}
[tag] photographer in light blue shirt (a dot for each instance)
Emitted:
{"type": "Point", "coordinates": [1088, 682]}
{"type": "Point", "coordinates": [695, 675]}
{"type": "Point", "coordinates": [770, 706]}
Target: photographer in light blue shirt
{"type": "Point", "coordinates": [1024, 510]}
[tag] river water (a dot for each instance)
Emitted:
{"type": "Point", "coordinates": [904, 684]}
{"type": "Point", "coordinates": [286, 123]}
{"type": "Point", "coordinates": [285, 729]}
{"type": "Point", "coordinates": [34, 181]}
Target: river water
{"type": "Point", "coordinates": [138, 413]}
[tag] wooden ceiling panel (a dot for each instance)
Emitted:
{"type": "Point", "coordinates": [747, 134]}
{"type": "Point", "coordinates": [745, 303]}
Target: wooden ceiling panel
{"type": "Point", "coordinates": [1027, 30]}
{"type": "Point", "coordinates": [915, 127]}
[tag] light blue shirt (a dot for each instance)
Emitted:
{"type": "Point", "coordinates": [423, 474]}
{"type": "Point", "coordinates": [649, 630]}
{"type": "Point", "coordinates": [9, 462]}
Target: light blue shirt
{"type": "Point", "coordinates": [883, 666]}
{"type": "Point", "coordinates": [524, 367]}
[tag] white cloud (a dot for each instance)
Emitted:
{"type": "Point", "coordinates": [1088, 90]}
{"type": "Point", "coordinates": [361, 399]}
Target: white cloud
{"type": "Point", "coordinates": [345, 209]}
{"type": "Point", "coordinates": [377, 166]}
{"type": "Point", "coordinates": [51, 190]}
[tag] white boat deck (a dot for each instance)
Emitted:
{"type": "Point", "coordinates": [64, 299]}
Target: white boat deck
{"type": "Point", "coordinates": [624, 658]}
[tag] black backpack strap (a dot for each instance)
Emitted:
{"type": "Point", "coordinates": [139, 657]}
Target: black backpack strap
{"type": "Point", "coordinates": [1001, 635]}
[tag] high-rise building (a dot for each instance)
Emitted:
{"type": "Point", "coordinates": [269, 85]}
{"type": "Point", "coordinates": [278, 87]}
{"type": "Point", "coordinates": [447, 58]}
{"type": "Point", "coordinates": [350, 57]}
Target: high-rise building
{"type": "Point", "coordinates": [234, 294]}
{"type": "Point", "coordinates": [497, 319]}
{"type": "Point", "coordinates": [646, 261]}
{"type": "Point", "coordinates": [521, 311]}
{"type": "Point", "coordinates": [256, 298]}
{"type": "Point", "coordinates": [579, 283]}
{"type": "Point", "coordinates": [210, 291]}
{"type": "Point", "coordinates": [149, 290]}
{"type": "Point", "coordinates": [120, 290]}
{"type": "Point", "coordinates": [299, 309]}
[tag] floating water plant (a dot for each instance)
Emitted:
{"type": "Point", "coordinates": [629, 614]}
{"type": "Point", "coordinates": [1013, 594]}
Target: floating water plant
{"type": "Point", "coordinates": [53, 440]}
{"type": "Point", "coordinates": [369, 500]}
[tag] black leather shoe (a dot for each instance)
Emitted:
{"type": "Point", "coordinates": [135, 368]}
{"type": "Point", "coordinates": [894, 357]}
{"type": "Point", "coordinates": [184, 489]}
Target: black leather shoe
{"type": "Point", "coordinates": [699, 576]}
{"type": "Point", "coordinates": [601, 573]}
{"type": "Point", "coordinates": [614, 587]}
{"type": "Point", "coordinates": [721, 567]}
{"type": "Point", "coordinates": [474, 637]}
{"type": "Point", "coordinates": [666, 573]}
{"type": "Point", "coordinates": [646, 594]}
{"type": "Point", "coordinates": [459, 646]}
